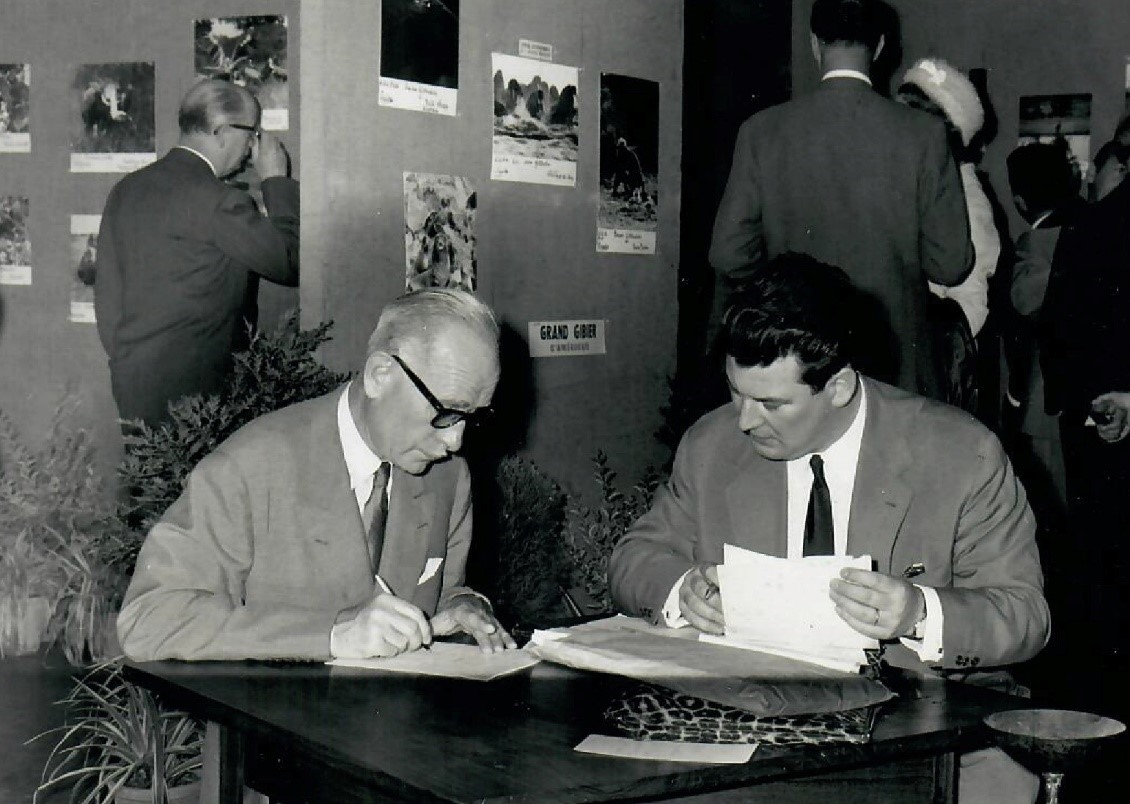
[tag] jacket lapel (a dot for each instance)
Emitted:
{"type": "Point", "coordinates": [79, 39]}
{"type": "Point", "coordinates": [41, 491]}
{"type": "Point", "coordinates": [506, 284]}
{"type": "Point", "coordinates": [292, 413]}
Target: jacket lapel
{"type": "Point", "coordinates": [880, 498]}
{"type": "Point", "coordinates": [406, 533]}
{"type": "Point", "coordinates": [755, 498]}
{"type": "Point", "coordinates": [326, 503]}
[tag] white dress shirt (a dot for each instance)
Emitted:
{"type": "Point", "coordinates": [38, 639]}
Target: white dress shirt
{"type": "Point", "coordinates": [207, 161]}
{"type": "Point", "coordinates": [840, 462]}
{"type": "Point", "coordinates": [360, 461]}
{"type": "Point", "coordinates": [856, 74]}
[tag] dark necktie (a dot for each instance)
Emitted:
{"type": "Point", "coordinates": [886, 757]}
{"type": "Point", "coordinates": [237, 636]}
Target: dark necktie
{"type": "Point", "coordinates": [375, 513]}
{"type": "Point", "coordinates": [819, 539]}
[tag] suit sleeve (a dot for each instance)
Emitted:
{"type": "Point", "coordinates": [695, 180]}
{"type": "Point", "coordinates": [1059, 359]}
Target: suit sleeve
{"type": "Point", "coordinates": [738, 243]}
{"type": "Point", "coordinates": [267, 245]}
{"type": "Point", "coordinates": [107, 282]}
{"type": "Point", "coordinates": [660, 547]}
{"type": "Point", "coordinates": [186, 599]}
{"type": "Point", "coordinates": [995, 611]}
{"type": "Point", "coordinates": [944, 247]}
{"type": "Point", "coordinates": [1029, 275]}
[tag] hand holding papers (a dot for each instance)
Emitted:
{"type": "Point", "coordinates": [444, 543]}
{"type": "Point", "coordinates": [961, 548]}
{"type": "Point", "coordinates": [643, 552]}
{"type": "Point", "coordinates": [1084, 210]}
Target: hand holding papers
{"type": "Point", "coordinates": [781, 606]}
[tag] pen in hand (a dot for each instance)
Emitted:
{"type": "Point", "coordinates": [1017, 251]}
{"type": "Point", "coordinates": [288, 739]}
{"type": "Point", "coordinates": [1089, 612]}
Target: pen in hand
{"type": "Point", "coordinates": [388, 591]}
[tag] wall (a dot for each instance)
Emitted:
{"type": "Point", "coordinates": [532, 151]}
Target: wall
{"type": "Point", "coordinates": [42, 355]}
{"type": "Point", "coordinates": [536, 243]}
{"type": "Point", "coordinates": [1037, 47]}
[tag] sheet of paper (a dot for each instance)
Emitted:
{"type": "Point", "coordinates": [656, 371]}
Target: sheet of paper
{"type": "Point", "coordinates": [666, 750]}
{"type": "Point", "coordinates": [450, 660]}
{"type": "Point", "coordinates": [781, 606]}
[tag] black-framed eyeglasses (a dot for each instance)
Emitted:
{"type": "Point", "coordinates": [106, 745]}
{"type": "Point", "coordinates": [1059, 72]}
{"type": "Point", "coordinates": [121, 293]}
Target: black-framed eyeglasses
{"type": "Point", "coordinates": [445, 416]}
{"type": "Point", "coordinates": [253, 129]}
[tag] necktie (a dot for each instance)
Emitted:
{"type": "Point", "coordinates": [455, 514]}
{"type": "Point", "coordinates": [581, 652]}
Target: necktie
{"type": "Point", "coordinates": [818, 534]}
{"type": "Point", "coordinates": [375, 513]}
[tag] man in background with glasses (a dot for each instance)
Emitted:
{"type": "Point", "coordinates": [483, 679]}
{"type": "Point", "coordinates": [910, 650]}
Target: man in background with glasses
{"type": "Point", "coordinates": [337, 527]}
{"type": "Point", "coordinates": [180, 253]}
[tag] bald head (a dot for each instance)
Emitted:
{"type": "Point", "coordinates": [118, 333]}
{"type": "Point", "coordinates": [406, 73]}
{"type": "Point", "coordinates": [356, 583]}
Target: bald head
{"type": "Point", "coordinates": [211, 103]}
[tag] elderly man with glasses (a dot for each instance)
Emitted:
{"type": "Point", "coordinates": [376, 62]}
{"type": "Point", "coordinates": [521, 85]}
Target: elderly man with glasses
{"type": "Point", "coordinates": [180, 254]}
{"type": "Point", "coordinates": [337, 527]}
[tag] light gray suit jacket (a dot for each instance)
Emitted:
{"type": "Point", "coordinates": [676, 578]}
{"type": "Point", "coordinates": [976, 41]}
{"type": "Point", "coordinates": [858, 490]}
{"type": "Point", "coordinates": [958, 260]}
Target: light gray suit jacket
{"type": "Point", "coordinates": [266, 546]}
{"type": "Point", "coordinates": [933, 486]}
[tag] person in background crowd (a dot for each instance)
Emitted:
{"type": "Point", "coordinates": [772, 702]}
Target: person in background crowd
{"type": "Point", "coordinates": [906, 480]}
{"type": "Point", "coordinates": [1083, 328]}
{"type": "Point", "coordinates": [938, 88]}
{"type": "Point", "coordinates": [179, 253]}
{"type": "Point", "coordinates": [854, 180]}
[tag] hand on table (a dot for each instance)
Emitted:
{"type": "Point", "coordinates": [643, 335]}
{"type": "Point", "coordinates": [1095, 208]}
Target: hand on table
{"type": "Point", "coordinates": [700, 601]}
{"type": "Point", "coordinates": [470, 614]}
{"type": "Point", "coordinates": [385, 626]}
{"type": "Point", "coordinates": [877, 605]}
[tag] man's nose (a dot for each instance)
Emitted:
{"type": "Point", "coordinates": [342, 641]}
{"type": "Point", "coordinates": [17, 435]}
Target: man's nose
{"type": "Point", "coordinates": [452, 437]}
{"type": "Point", "coordinates": [749, 415]}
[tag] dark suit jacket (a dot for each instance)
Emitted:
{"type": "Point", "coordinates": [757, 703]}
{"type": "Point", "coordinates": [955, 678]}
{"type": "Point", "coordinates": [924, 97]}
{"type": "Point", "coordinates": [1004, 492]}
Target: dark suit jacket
{"type": "Point", "coordinates": [857, 181]}
{"type": "Point", "coordinates": [932, 486]}
{"type": "Point", "coordinates": [175, 252]}
{"type": "Point", "coordinates": [1085, 327]}
{"type": "Point", "coordinates": [266, 546]}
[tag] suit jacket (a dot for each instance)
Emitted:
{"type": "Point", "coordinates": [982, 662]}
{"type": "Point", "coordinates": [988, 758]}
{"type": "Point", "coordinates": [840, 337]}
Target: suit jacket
{"type": "Point", "coordinates": [176, 250]}
{"type": "Point", "coordinates": [856, 181]}
{"type": "Point", "coordinates": [1084, 326]}
{"type": "Point", "coordinates": [266, 546]}
{"type": "Point", "coordinates": [932, 486]}
{"type": "Point", "coordinates": [1035, 248]}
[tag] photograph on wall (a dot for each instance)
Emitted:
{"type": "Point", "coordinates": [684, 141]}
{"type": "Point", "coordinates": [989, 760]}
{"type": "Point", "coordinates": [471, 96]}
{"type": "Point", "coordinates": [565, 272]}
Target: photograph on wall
{"type": "Point", "coordinates": [439, 231]}
{"type": "Point", "coordinates": [249, 51]}
{"type": "Point", "coordinates": [535, 121]}
{"type": "Point", "coordinates": [629, 165]}
{"type": "Point", "coordinates": [15, 103]}
{"type": "Point", "coordinates": [15, 245]}
{"type": "Point", "coordinates": [420, 55]}
{"type": "Point", "coordinates": [84, 252]}
{"type": "Point", "coordinates": [1052, 118]}
{"type": "Point", "coordinates": [113, 123]}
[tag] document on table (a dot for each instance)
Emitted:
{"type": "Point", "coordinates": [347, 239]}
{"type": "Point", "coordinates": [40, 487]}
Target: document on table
{"type": "Point", "coordinates": [450, 660]}
{"type": "Point", "coordinates": [781, 606]}
{"type": "Point", "coordinates": [667, 750]}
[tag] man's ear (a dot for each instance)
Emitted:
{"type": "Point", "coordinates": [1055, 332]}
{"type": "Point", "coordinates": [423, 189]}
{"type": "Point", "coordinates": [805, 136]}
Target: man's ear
{"type": "Point", "coordinates": [376, 374]}
{"type": "Point", "coordinates": [843, 384]}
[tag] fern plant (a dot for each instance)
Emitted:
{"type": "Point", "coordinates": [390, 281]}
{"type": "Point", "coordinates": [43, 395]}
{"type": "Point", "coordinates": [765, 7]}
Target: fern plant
{"type": "Point", "coordinates": [592, 532]}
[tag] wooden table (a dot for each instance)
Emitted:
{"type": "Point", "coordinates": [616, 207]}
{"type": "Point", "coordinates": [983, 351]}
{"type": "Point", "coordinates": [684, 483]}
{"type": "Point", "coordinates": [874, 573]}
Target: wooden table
{"type": "Point", "coordinates": [308, 732]}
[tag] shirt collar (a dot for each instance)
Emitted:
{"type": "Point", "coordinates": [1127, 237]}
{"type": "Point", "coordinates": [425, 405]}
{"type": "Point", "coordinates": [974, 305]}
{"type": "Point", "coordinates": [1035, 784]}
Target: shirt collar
{"type": "Point", "coordinates": [856, 74]}
{"type": "Point", "coordinates": [202, 156]}
{"type": "Point", "coordinates": [843, 453]}
{"type": "Point", "coordinates": [360, 461]}
{"type": "Point", "coordinates": [1036, 223]}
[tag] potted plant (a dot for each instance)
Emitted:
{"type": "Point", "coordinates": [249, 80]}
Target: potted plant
{"type": "Point", "coordinates": [119, 743]}
{"type": "Point", "coordinates": [51, 500]}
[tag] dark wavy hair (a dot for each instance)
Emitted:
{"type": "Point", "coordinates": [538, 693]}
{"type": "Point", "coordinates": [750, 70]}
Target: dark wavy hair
{"type": "Point", "coordinates": [794, 305]}
{"type": "Point", "coordinates": [853, 22]}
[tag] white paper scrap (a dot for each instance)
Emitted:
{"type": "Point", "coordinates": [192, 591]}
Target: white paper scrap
{"type": "Point", "coordinates": [450, 660]}
{"type": "Point", "coordinates": [667, 750]}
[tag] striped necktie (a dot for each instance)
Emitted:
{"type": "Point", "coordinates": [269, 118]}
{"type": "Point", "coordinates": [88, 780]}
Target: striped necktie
{"type": "Point", "coordinates": [375, 513]}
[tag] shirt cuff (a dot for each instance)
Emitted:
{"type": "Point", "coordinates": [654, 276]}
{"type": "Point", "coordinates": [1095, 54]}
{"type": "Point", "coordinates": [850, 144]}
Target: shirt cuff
{"type": "Point", "coordinates": [672, 611]}
{"type": "Point", "coordinates": [931, 628]}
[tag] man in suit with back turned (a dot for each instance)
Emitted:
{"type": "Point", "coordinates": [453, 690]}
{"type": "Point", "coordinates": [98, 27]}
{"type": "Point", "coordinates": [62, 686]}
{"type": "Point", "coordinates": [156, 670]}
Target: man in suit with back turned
{"type": "Point", "coordinates": [812, 458]}
{"type": "Point", "coordinates": [180, 253]}
{"type": "Point", "coordinates": [855, 180]}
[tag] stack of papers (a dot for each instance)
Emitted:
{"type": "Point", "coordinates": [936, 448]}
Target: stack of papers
{"type": "Point", "coordinates": [781, 606]}
{"type": "Point", "coordinates": [449, 660]}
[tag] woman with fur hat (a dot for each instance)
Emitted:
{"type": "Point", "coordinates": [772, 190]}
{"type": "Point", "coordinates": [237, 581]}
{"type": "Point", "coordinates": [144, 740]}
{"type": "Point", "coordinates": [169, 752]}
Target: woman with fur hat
{"type": "Point", "coordinates": [941, 89]}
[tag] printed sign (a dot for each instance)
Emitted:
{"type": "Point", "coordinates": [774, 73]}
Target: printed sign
{"type": "Point", "coordinates": [566, 338]}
